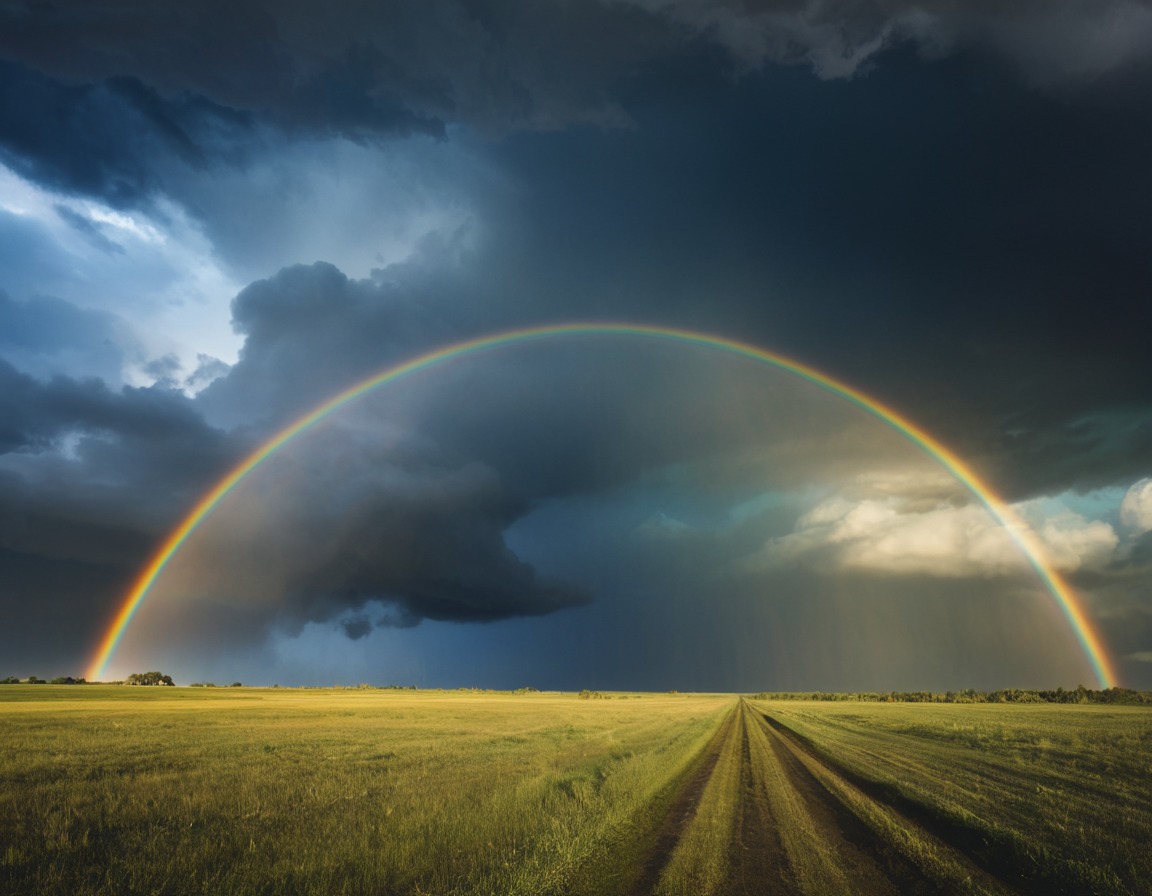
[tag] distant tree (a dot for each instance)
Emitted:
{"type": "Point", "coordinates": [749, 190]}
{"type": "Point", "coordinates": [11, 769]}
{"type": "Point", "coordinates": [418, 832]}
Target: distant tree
{"type": "Point", "coordinates": [149, 678]}
{"type": "Point", "coordinates": [11, 679]}
{"type": "Point", "coordinates": [32, 679]}
{"type": "Point", "coordinates": [236, 684]}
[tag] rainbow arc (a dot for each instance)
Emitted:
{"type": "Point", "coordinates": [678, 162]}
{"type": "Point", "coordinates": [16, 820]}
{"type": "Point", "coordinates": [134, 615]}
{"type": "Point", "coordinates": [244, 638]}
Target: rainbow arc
{"type": "Point", "coordinates": [1068, 602]}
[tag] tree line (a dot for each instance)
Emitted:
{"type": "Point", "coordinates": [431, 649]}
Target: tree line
{"type": "Point", "coordinates": [32, 679]}
{"type": "Point", "coordinates": [136, 678]}
{"type": "Point", "coordinates": [1081, 694]}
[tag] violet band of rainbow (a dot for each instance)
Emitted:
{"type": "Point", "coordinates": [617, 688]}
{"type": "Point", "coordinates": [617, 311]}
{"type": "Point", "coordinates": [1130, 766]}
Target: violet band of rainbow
{"type": "Point", "coordinates": [1066, 599]}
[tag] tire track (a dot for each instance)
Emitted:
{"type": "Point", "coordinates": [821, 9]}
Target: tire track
{"type": "Point", "coordinates": [798, 827]}
{"type": "Point", "coordinates": [854, 858]}
{"type": "Point", "coordinates": [682, 810]}
{"type": "Point", "coordinates": [758, 862]}
{"type": "Point", "coordinates": [920, 856]}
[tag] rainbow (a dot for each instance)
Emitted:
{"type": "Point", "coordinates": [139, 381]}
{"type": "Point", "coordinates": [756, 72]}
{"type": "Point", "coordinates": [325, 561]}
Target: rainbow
{"type": "Point", "coordinates": [1065, 598]}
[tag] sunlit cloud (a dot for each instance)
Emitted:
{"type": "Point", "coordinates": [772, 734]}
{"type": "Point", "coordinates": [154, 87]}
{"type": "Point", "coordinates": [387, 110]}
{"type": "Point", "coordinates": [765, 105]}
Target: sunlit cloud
{"type": "Point", "coordinates": [1074, 542]}
{"type": "Point", "coordinates": [155, 270]}
{"type": "Point", "coordinates": [888, 525]}
{"type": "Point", "coordinates": [1136, 508]}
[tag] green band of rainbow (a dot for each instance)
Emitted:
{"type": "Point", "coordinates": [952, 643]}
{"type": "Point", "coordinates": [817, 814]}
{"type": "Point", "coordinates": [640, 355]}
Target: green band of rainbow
{"type": "Point", "coordinates": [1069, 604]}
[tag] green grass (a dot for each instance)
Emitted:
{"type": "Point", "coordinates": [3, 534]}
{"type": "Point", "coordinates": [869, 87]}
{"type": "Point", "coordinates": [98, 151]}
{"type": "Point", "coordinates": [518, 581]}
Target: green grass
{"type": "Point", "coordinates": [136, 791]}
{"type": "Point", "coordinates": [1053, 798]}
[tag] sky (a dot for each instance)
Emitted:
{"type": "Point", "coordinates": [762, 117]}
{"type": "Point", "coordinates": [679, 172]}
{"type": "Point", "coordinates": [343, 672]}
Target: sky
{"type": "Point", "coordinates": [215, 217]}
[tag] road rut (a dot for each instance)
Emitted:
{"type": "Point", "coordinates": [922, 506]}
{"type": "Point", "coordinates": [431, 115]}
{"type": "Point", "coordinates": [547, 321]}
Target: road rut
{"type": "Point", "coordinates": [798, 827]}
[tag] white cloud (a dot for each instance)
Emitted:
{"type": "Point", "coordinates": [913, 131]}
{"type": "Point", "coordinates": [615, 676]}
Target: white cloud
{"type": "Point", "coordinates": [1074, 542]}
{"type": "Point", "coordinates": [154, 269]}
{"type": "Point", "coordinates": [883, 535]}
{"type": "Point", "coordinates": [1136, 507]}
{"type": "Point", "coordinates": [879, 525]}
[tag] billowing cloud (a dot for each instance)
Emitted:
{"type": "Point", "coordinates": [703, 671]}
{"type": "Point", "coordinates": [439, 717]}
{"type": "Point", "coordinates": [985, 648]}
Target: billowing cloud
{"type": "Point", "coordinates": [1073, 542]}
{"type": "Point", "coordinates": [160, 291]}
{"type": "Point", "coordinates": [869, 527]}
{"type": "Point", "coordinates": [1136, 507]}
{"type": "Point", "coordinates": [362, 526]}
{"type": "Point", "coordinates": [880, 536]}
{"type": "Point", "coordinates": [311, 331]}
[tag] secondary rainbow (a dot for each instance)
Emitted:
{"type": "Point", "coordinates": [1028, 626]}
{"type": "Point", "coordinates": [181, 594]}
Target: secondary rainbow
{"type": "Point", "coordinates": [1065, 598]}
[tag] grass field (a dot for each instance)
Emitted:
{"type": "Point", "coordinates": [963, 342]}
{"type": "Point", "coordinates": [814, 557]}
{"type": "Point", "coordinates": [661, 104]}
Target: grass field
{"type": "Point", "coordinates": [1053, 799]}
{"type": "Point", "coordinates": [117, 790]}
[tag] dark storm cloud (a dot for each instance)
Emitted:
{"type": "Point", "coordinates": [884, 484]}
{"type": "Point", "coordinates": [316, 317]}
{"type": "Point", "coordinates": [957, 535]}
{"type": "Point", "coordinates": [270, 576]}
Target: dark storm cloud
{"type": "Point", "coordinates": [1049, 40]}
{"type": "Point", "coordinates": [357, 627]}
{"type": "Point", "coordinates": [90, 97]}
{"type": "Point", "coordinates": [357, 68]}
{"type": "Point", "coordinates": [139, 78]}
{"type": "Point", "coordinates": [979, 259]}
{"type": "Point", "coordinates": [104, 138]}
{"type": "Point", "coordinates": [362, 526]}
{"type": "Point", "coordinates": [97, 475]}
{"type": "Point", "coordinates": [364, 67]}
{"type": "Point", "coordinates": [536, 413]}
{"type": "Point", "coordinates": [39, 332]}
{"type": "Point", "coordinates": [421, 526]}
{"type": "Point", "coordinates": [37, 414]}
{"type": "Point", "coordinates": [311, 331]}
{"type": "Point", "coordinates": [52, 606]}
{"type": "Point", "coordinates": [431, 547]}
{"type": "Point", "coordinates": [89, 478]}
{"type": "Point", "coordinates": [78, 441]}
{"type": "Point", "coordinates": [858, 257]}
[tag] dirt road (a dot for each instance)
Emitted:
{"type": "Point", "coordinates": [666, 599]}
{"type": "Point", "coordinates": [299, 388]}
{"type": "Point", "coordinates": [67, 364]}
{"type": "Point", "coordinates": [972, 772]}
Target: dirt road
{"type": "Point", "coordinates": [792, 824]}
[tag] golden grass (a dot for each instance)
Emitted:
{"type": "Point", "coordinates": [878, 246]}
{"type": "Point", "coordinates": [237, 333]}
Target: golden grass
{"type": "Point", "coordinates": [113, 790]}
{"type": "Point", "coordinates": [1056, 798]}
{"type": "Point", "coordinates": [116, 790]}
